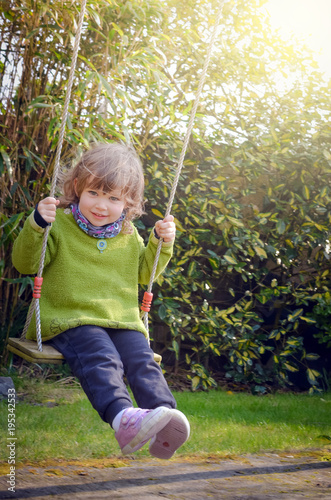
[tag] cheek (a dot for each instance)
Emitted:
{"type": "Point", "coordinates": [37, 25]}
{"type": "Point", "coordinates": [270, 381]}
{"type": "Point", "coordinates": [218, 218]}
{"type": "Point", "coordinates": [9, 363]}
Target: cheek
{"type": "Point", "coordinates": [121, 207]}
{"type": "Point", "coordinates": [120, 210]}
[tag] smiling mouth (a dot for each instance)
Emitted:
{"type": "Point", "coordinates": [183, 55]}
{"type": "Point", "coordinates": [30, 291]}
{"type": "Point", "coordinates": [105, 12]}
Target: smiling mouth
{"type": "Point", "coordinates": [99, 216]}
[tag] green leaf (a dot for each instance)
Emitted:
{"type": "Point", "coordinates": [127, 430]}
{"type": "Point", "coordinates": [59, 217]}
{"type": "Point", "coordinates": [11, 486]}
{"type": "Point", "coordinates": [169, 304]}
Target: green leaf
{"type": "Point", "coordinates": [230, 259]}
{"type": "Point", "coordinates": [260, 252]}
{"type": "Point", "coordinates": [175, 347]}
{"type": "Point", "coordinates": [191, 268]}
{"type": "Point", "coordinates": [195, 383]}
{"type": "Point", "coordinates": [9, 15]}
{"type": "Point", "coordinates": [219, 219]}
{"type": "Point", "coordinates": [41, 105]}
{"type": "Point", "coordinates": [308, 320]}
{"type": "Point", "coordinates": [280, 226]}
{"type": "Point", "coordinates": [306, 192]}
{"type": "Point", "coordinates": [214, 263]}
{"type": "Point", "coordinates": [312, 375]}
{"type": "Point", "coordinates": [262, 298]}
{"type": "Point", "coordinates": [118, 29]}
{"type": "Point", "coordinates": [235, 222]}
{"type": "Point", "coordinates": [311, 356]}
{"type": "Point", "coordinates": [296, 314]}
{"type": "Point", "coordinates": [162, 312]}
{"type": "Point", "coordinates": [158, 213]}
{"type": "Point", "coordinates": [291, 368]}
{"type": "Point", "coordinates": [105, 85]}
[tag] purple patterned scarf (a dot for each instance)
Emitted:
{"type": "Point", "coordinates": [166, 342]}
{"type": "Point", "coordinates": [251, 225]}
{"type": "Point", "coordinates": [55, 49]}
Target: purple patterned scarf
{"type": "Point", "coordinates": [107, 231]}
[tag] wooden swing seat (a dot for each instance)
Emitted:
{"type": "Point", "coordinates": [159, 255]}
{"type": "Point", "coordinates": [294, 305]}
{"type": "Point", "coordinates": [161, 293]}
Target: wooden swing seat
{"type": "Point", "coordinates": [28, 350]}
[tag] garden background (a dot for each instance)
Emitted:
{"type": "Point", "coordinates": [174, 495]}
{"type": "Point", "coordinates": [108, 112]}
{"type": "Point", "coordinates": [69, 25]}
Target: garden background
{"type": "Point", "coordinates": [246, 299]}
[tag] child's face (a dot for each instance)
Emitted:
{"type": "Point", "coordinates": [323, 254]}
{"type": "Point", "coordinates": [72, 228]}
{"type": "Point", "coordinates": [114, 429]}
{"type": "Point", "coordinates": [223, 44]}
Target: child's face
{"type": "Point", "coordinates": [101, 208]}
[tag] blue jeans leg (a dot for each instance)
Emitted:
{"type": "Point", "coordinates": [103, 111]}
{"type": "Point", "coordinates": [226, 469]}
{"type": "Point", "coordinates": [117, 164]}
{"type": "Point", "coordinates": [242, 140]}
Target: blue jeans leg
{"type": "Point", "coordinates": [94, 360]}
{"type": "Point", "coordinates": [143, 374]}
{"type": "Point", "coordinates": [100, 358]}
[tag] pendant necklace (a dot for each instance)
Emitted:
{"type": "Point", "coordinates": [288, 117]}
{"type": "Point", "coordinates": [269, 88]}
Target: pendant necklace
{"type": "Point", "coordinates": [101, 245]}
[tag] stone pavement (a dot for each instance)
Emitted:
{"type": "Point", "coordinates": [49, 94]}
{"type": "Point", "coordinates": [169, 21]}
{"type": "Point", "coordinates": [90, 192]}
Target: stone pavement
{"type": "Point", "coordinates": [252, 477]}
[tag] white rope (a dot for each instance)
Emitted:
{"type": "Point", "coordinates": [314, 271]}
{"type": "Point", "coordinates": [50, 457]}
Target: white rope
{"type": "Point", "coordinates": [35, 302]}
{"type": "Point", "coordinates": [183, 152]}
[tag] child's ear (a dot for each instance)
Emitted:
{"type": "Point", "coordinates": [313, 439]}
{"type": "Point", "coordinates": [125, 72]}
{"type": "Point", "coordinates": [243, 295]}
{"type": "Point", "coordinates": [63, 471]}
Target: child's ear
{"type": "Point", "coordinates": [75, 186]}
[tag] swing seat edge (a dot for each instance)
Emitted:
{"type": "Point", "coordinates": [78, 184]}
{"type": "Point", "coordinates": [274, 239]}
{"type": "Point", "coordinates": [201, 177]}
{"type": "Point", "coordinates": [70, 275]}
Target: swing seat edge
{"type": "Point", "coordinates": [28, 350]}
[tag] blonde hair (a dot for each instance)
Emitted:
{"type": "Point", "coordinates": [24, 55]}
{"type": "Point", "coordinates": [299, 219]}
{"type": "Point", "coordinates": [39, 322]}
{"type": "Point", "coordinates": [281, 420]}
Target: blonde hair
{"type": "Point", "coordinates": [109, 167]}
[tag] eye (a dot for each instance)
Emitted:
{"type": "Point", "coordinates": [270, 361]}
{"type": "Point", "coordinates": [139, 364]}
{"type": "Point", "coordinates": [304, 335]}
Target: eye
{"type": "Point", "coordinates": [93, 193]}
{"type": "Point", "coordinates": [114, 198]}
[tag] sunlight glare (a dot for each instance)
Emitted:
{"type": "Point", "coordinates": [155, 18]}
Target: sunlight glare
{"type": "Point", "coordinates": [307, 20]}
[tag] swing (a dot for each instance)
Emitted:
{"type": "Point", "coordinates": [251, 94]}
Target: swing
{"type": "Point", "coordinates": [34, 351]}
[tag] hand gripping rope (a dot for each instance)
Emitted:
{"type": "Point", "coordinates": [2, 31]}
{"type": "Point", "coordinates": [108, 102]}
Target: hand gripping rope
{"type": "Point", "coordinates": [148, 296]}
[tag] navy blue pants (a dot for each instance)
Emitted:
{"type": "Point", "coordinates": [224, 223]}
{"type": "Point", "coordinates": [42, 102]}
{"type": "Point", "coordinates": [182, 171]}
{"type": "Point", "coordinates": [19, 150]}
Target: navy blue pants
{"type": "Point", "coordinates": [100, 357]}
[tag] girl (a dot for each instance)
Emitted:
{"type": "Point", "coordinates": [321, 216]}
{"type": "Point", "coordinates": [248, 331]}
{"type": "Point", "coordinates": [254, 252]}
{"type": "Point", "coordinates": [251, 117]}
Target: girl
{"type": "Point", "coordinates": [94, 262]}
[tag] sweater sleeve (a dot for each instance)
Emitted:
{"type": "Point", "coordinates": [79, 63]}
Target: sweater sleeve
{"type": "Point", "coordinates": [27, 247]}
{"type": "Point", "coordinates": [147, 256]}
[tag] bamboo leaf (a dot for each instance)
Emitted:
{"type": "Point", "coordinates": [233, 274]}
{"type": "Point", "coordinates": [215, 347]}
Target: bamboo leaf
{"type": "Point", "coordinates": [7, 162]}
{"type": "Point", "coordinates": [306, 192]}
{"type": "Point", "coordinates": [105, 85]}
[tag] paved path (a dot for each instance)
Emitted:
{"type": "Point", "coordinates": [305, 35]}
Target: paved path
{"type": "Point", "coordinates": [247, 478]}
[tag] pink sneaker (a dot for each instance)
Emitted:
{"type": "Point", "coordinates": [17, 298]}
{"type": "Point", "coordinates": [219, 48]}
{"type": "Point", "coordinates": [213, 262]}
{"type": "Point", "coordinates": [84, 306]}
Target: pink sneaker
{"type": "Point", "coordinates": [138, 426]}
{"type": "Point", "coordinates": [171, 436]}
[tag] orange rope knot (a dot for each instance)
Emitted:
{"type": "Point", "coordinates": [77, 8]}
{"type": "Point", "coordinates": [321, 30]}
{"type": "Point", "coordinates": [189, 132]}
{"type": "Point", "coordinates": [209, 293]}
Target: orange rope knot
{"type": "Point", "coordinates": [147, 302]}
{"type": "Point", "coordinates": [37, 287]}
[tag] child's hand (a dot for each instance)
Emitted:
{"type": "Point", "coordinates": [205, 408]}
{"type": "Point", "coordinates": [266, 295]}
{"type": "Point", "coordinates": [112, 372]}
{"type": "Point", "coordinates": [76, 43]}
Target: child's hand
{"type": "Point", "coordinates": [47, 208]}
{"type": "Point", "coordinates": [166, 228]}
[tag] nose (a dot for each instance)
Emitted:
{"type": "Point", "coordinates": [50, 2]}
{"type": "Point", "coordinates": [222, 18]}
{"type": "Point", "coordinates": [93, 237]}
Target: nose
{"type": "Point", "coordinates": [101, 204]}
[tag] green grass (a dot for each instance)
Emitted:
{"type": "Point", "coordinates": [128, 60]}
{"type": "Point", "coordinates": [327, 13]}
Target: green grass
{"type": "Point", "coordinates": [58, 422]}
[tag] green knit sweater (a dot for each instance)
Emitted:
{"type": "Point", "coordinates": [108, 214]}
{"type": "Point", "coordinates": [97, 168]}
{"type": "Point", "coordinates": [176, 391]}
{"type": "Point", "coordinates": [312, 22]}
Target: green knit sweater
{"type": "Point", "coordinates": [83, 286]}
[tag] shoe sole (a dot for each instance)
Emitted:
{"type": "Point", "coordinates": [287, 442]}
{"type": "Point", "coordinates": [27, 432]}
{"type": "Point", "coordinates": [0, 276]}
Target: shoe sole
{"type": "Point", "coordinates": [171, 437]}
{"type": "Point", "coordinates": [150, 426]}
